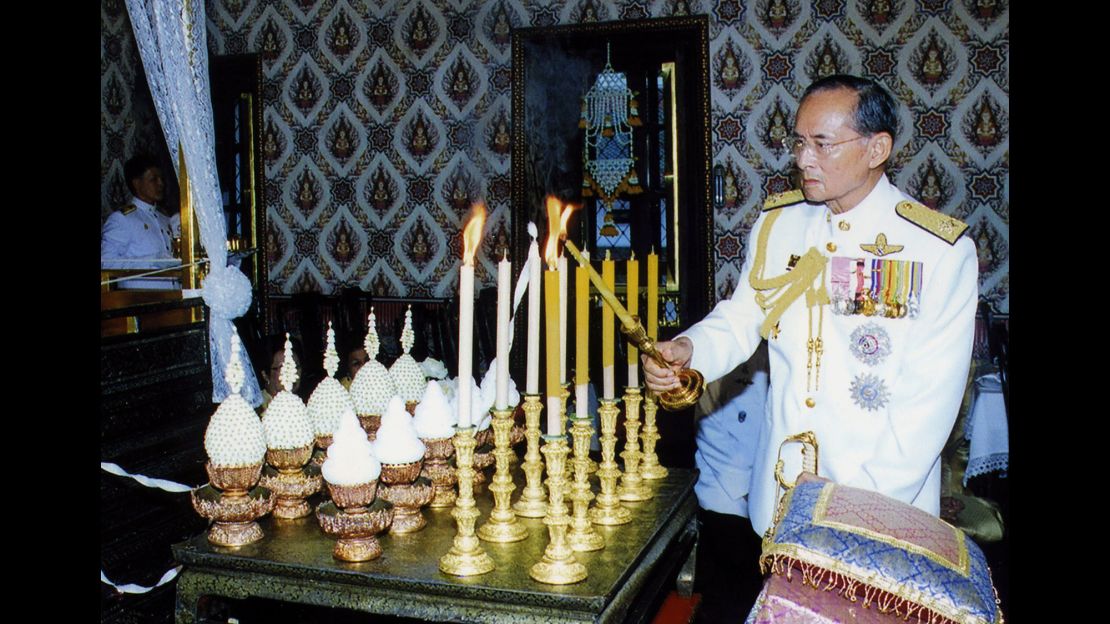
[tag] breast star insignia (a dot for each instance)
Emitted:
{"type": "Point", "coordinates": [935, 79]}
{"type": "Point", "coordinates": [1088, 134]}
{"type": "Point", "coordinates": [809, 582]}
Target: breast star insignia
{"type": "Point", "coordinates": [880, 247]}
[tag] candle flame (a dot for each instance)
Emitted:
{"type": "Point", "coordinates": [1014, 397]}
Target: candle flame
{"type": "Point", "coordinates": [472, 232]}
{"type": "Point", "coordinates": [558, 214]}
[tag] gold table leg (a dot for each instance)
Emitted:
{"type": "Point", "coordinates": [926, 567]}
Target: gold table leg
{"type": "Point", "coordinates": [502, 526]}
{"type": "Point", "coordinates": [466, 557]}
{"type": "Point", "coordinates": [558, 566]}
{"type": "Point", "coordinates": [533, 501]}
{"type": "Point", "coordinates": [608, 510]}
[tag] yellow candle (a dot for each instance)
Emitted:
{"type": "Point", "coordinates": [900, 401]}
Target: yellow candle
{"type": "Point", "coordinates": [582, 324]}
{"type": "Point", "coordinates": [608, 334]}
{"type": "Point", "coordinates": [653, 295]}
{"type": "Point", "coordinates": [632, 287]}
{"type": "Point", "coordinates": [554, 388]}
{"type": "Point", "coordinates": [606, 291]}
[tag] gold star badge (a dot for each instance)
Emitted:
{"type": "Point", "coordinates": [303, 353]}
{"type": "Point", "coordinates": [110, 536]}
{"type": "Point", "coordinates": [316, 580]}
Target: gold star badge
{"type": "Point", "coordinates": [880, 247]}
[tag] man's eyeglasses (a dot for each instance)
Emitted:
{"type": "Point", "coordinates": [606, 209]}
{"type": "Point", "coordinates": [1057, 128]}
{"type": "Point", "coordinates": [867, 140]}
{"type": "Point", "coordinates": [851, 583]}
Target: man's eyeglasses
{"type": "Point", "coordinates": [796, 145]}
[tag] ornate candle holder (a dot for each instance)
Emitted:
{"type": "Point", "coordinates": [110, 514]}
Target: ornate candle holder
{"type": "Point", "coordinates": [632, 485]}
{"type": "Point", "coordinates": [650, 467]}
{"type": "Point", "coordinates": [582, 536]}
{"type": "Point", "coordinates": [291, 480]}
{"type": "Point", "coordinates": [558, 566]}
{"type": "Point", "coordinates": [502, 527]}
{"type": "Point", "coordinates": [532, 503]}
{"type": "Point", "coordinates": [439, 471]}
{"type": "Point", "coordinates": [608, 510]}
{"type": "Point", "coordinates": [356, 518]}
{"type": "Point", "coordinates": [466, 557]}
{"type": "Point", "coordinates": [403, 486]}
{"type": "Point", "coordinates": [233, 503]}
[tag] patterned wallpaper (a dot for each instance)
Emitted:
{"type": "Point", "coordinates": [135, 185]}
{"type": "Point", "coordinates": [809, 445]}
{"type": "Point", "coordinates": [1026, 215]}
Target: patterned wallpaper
{"type": "Point", "coordinates": [384, 119]}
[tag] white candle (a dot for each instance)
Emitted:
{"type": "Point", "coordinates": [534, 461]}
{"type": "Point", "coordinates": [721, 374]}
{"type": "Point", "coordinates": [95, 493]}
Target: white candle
{"type": "Point", "coordinates": [562, 267]}
{"type": "Point", "coordinates": [504, 294]}
{"type": "Point", "coordinates": [535, 286]}
{"type": "Point", "coordinates": [466, 341]}
{"type": "Point", "coordinates": [472, 235]}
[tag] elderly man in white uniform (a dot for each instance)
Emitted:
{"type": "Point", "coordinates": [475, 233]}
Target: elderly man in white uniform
{"type": "Point", "coordinates": [139, 229]}
{"type": "Point", "coordinates": [867, 299]}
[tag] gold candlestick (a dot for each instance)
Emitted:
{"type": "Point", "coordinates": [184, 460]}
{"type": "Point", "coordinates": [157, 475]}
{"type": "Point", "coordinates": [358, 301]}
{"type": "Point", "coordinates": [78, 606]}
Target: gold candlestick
{"type": "Point", "coordinates": [558, 566]}
{"type": "Point", "coordinates": [533, 501]}
{"type": "Point", "coordinates": [582, 536]}
{"type": "Point", "coordinates": [632, 485]}
{"type": "Point", "coordinates": [502, 526]}
{"type": "Point", "coordinates": [466, 557]}
{"type": "Point", "coordinates": [650, 467]}
{"type": "Point", "coordinates": [608, 510]}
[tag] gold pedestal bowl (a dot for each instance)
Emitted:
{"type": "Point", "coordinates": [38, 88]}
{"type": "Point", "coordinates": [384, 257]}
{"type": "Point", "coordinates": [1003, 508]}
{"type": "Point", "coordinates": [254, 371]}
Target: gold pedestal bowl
{"type": "Point", "coordinates": [439, 471]}
{"type": "Point", "coordinates": [408, 499]}
{"type": "Point", "coordinates": [233, 503]}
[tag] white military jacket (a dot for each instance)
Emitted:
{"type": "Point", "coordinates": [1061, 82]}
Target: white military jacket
{"type": "Point", "coordinates": [889, 384]}
{"type": "Point", "coordinates": [138, 230]}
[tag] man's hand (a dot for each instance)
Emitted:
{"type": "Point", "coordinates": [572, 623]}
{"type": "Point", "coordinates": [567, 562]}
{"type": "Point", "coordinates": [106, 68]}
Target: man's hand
{"type": "Point", "coordinates": [677, 353]}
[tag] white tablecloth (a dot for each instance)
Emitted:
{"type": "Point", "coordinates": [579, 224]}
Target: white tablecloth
{"type": "Point", "coordinates": [987, 429]}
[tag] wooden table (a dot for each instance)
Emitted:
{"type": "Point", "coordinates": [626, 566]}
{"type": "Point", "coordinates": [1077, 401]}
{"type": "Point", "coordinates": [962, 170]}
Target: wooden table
{"type": "Point", "coordinates": [293, 563]}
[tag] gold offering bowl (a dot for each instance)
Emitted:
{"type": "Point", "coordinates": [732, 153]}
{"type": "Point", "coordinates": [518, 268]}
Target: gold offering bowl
{"type": "Point", "coordinates": [235, 480]}
{"type": "Point", "coordinates": [321, 453]}
{"type": "Point", "coordinates": [289, 461]}
{"type": "Point", "coordinates": [234, 515]}
{"type": "Point", "coordinates": [395, 474]}
{"type": "Point", "coordinates": [353, 498]}
{"type": "Point", "coordinates": [483, 458]}
{"type": "Point", "coordinates": [291, 489]}
{"type": "Point", "coordinates": [437, 452]}
{"type": "Point", "coordinates": [370, 424]}
{"type": "Point", "coordinates": [356, 528]}
{"type": "Point", "coordinates": [484, 437]}
{"type": "Point", "coordinates": [408, 499]}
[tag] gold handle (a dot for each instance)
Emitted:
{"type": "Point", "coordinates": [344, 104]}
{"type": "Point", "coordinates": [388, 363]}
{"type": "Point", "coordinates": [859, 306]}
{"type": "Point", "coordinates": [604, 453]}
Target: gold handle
{"type": "Point", "coordinates": [692, 382]}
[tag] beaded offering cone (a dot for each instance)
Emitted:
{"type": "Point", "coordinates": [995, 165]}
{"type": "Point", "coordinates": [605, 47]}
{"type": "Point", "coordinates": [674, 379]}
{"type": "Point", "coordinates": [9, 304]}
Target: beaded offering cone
{"type": "Point", "coordinates": [650, 468]}
{"type": "Point", "coordinates": [582, 536]}
{"type": "Point", "coordinates": [236, 446]}
{"type": "Point", "coordinates": [632, 487]}
{"type": "Point", "coordinates": [373, 386]}
{"type": "Point", "coordinates": [408, 378]}
{"type": "Point", "coordinates": [466, 557]}
{"type": "Point", "coordinates": [558, 565]}
{"type": "Point", "coordinates": [502, 527]}
{"type": "Point", "coordinates": [533, 500]}
{"type": "Point", "coordinates": [608, 511]}
{"type": "Point", "coordinates": [328, 401]}
{"type": "Point", "coordinates": [289, 440]}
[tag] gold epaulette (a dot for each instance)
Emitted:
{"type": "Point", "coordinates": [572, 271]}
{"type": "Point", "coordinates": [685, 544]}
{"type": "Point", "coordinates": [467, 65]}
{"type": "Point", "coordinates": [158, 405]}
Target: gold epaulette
{"type": "Point", "coordinates": [936, 223]}
{"type": "Point", "coordinates": [128, 209]}
{"type": "Point", "coordinates": [778, 200]}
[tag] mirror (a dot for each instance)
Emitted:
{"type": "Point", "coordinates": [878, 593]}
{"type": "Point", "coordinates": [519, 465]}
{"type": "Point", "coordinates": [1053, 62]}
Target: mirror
{"type": "Point", "coordinates": [665, 62]}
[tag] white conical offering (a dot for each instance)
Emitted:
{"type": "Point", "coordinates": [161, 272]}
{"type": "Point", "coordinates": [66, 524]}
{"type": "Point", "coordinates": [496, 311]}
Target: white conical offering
{"type": "Point", "coordinates": [285, 420]}
{"type": "Point", "coordinates": [372, 387]}
{"type": "Point", "coordinates": [408, 377]}
{"type": "Point", "coordinates": [397, 441]}
{"type": "Point", "coordinates": [434, 418]}
{"type": "Point", "coordinates": [350, 459]}
{"type": "Point", "coordinates": [330, 398]}
{"type": "Point", "coordinates": [479, 409]}
{"type": "Point", "coordinates": [234, 437]}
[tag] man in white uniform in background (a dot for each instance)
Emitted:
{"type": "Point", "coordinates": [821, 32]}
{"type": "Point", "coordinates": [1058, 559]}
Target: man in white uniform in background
{"type": "Point", "coordinates": [867, 301]}
{"type": "Point", "coordinates": [139, 229]}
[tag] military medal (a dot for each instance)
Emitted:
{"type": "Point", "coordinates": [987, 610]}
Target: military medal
{"type": "Point", "coordinates": [869, 343]}
{"type": "Point", "coordinates": [913, 301]}
{"type": "Point", "coordinates": [841, 285]}
{"type": "Point", "coordinates": [869, 392]}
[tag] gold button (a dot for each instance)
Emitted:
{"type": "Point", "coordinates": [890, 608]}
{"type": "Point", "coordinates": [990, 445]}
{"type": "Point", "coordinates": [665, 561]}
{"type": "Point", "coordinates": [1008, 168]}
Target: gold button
{"type": "Point", "coordinates": [810, 402]}
{"type": "Point", "coordinates": [844, 226]}
{"type": "Point", "coordinates": [831, 246]}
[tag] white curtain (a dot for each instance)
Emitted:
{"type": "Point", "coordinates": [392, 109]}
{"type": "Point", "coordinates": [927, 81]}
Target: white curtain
{"type": "Point", "coordinates": [172, 43]}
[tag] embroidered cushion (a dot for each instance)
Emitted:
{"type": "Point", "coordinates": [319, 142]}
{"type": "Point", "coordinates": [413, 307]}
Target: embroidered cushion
{"type": "Point", "coordinates": [880, 553]}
